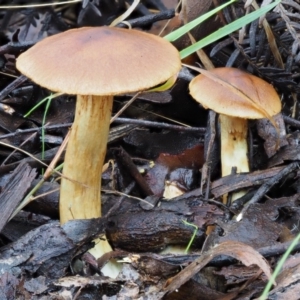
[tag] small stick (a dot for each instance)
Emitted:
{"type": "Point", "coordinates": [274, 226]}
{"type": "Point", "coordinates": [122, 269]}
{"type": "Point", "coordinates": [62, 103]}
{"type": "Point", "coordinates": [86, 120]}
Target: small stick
{"type": "Point", "coordinates": [291, 121]}
{"type": "Point", "coordinates": [162, 125]}
{"type": "Point", "coordinates": [267, 186]}
{"type": "Point", "coordinates": [149, 19]}
{"type": "Point", "coordinates": [12, 86]}
{"type": "Point", "coordinates": [15, 47]}
{"type": "Point", "coordinates": [144, 123]}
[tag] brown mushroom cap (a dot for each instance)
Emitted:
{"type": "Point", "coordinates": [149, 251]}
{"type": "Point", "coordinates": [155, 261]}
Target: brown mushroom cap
{"type": "Point", "coordinates": [100, 61]}
{"type": "Point", "coordinates": [218, 97]}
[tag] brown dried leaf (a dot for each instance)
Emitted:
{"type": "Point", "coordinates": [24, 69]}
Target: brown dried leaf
{"type": "Point", "coordinates": [191, 158]}
{"type": "Point", "coordinates": [242, 252]}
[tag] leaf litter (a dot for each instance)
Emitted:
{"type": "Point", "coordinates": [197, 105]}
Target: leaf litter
{"type": "Point", "coordinates": [39, 258]}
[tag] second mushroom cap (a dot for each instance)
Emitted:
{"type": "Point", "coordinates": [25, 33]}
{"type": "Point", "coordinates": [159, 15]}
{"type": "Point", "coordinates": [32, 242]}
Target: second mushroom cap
{"type": "Point", "coordinates": [236, 93]}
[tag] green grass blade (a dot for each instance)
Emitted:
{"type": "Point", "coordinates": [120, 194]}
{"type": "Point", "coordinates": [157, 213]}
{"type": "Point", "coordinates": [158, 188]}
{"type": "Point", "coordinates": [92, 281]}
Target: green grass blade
{"type": "Point", "coordinates": [44, 122]}
{"type": "Point", "coordinates": [52, 96]}
{"type": "Point", "coordinates": [226, 30]}
{"type": "Point", "coordinates": [176, 34]}
{"type": "Point", "coordinates": [193, 236]}
{"type": "Point", "coordinates": [279, 267]}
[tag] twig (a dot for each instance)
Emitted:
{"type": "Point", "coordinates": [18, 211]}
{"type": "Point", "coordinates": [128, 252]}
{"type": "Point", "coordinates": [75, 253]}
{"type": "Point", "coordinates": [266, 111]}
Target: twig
{"type": "Point", "coordinates": [149, 19]}
{"type": "Point", "coordinates": [144, 123]}
{"type": "Point", "coordinates": [291, 121]}
{"type": "Point", "coordinates": [18, 81]}
{"type": "Point", "coordinates": [162, 125]}
{"type": "Point", "coordinates": [267, 186]}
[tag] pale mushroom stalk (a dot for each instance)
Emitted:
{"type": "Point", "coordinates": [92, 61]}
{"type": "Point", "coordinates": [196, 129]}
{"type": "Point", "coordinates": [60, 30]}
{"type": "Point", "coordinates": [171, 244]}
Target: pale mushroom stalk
{"type": "Point", "coordinates": [83, 164]}
{"type": "Point", "coordinates": [84, 159]}
{"type": "Point", "coordinates": [234, 148]}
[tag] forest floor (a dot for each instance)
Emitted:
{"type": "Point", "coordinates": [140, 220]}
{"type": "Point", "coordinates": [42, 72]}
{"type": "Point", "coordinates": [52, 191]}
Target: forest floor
{"type": "Point", "coordinates": [162, 189]}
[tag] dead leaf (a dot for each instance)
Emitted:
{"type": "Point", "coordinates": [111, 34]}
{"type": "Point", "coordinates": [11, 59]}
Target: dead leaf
{"type": "Point", "coordinates": [242, 252]}
{"type": "Point", "coordinates": [166, 163]}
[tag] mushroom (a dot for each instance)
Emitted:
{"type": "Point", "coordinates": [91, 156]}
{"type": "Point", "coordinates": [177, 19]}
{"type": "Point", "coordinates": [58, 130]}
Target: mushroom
{"type": "Point", "coordinates": [95, 63]}
{"type": "Point", "coordinates": [236, 96]}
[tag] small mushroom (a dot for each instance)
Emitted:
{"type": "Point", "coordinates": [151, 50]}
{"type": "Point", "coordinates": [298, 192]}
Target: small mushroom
{"type": "Point", "coordinates": [236, 96]}
{"type": "Point", "coordinates": [95, 63]}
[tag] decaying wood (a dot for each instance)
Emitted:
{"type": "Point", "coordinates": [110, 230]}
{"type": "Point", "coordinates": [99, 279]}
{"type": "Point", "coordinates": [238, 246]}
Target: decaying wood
{"type": "Point", "coordinates": [275, 138]}
{"type": "Point", "coordinates": [288, 153]}
{"type": "Point", "coordinates": [154, 231]}
{"type": "Point", "coordinates": [14, 191]}
{"type": "Point", "coordinates": [48, 249]}
{"type": "Point", "coordinates": [235, 182]}
{"type": "Point", "coordinates": [161, 226]}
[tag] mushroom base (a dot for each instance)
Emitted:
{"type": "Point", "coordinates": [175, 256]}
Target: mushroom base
{"type": "Point", "coordinates": [80, 191]}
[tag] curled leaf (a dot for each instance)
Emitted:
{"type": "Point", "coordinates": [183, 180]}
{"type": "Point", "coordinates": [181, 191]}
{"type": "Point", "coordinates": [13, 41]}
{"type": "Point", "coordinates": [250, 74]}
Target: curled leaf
{"type": "Point", "coordinates": [240, 251]}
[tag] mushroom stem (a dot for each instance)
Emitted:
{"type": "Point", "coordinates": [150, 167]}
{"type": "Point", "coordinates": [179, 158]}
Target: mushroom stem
{"type": "Point", "coordinates": [234, 147]}
{"type": "Point", "coordinates": [80, 194]}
